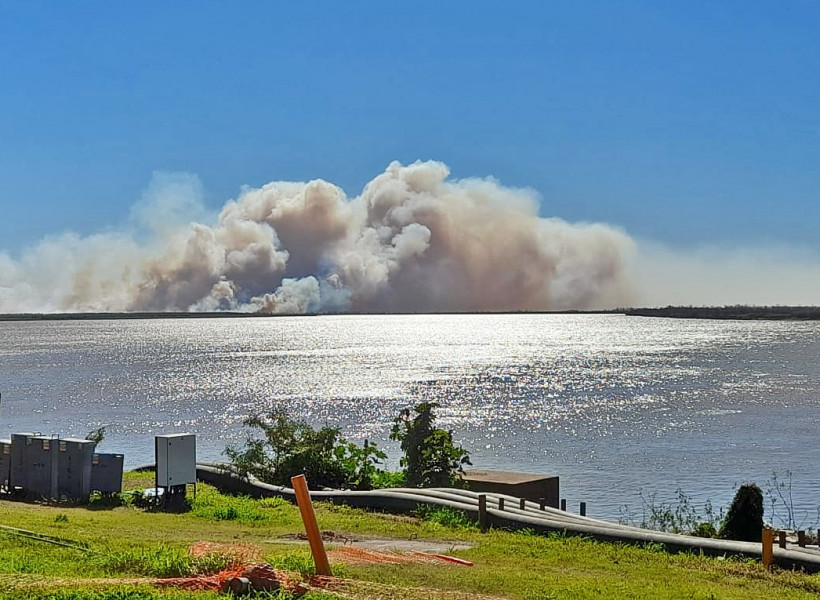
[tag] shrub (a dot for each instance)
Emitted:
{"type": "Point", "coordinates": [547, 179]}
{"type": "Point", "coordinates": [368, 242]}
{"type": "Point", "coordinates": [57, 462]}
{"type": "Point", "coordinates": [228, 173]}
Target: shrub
{"type": "Point", "coordinates": [681, 516]}
{"type": "Point", "coordinates": [448, 517]}
{"type": "Point", "coordinates": [744, 521]}
{"type": "Point", "coordinates": [431, 458]}
{"type": "Point", "coordinates": [289, 447]}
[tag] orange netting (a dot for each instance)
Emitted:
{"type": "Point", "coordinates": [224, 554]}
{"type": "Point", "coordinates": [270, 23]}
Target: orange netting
{"type": "Point", "coordinates": [260, 577]}
{"type": "Point", "coordinates": [238, 553]}
{"type": "Point", "coordinates": [368, 590]}
{"type": "Point", "coordinates": [353, 555]}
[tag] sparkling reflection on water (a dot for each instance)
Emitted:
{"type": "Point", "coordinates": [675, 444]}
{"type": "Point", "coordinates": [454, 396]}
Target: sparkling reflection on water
{"type": "Point", "coordinates": [612, 404]}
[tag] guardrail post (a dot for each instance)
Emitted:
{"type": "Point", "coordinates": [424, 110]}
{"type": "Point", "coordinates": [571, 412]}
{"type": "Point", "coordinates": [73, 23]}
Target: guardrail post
{"type": "Point", "coordinates": [522, 504]}
{"type": "Point", "coordinates": [767, 554]}
{"type": "Point", "coordinates": [563, 504]}
{"type": "Point", "coordinates": [501, 504]}
{"type": "Point", "coordinates": [801, 538]}
{"type": "Point", "coordinates": [482, 512]}
{"type": "Point", "coordinates": [781, 539]}
{"type": "Point", "coordinates": [583, 509]}
{"type": "Point", "coordinates": [542, 503]}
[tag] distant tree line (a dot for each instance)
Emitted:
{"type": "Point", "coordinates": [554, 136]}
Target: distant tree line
{"type": "Point", "coordinates": [741, 312]}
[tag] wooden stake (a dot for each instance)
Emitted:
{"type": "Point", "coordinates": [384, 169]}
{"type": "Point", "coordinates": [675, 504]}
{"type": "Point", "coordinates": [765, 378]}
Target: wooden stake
{"type": "Point", "coordinates": [781, 539]}
{"type": "Point", "coordinates": [767, 555]}
{"type": "Point", "coordinates": [482, 512]}
{"type": "Point", "coordinates": [317, 547]}
{"type": "Point", "coordinates": [801, 538]}
{"type": "Point", "coordinates": [583, 509]}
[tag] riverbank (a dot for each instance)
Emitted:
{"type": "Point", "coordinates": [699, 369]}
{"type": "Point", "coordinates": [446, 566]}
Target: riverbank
{"type": "Point", "coordinates": [127, 543]}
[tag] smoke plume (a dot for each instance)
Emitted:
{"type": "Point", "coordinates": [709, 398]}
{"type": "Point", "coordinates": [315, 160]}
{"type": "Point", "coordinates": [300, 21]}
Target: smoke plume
{"type": "Point", "coordinates": [413, 241]}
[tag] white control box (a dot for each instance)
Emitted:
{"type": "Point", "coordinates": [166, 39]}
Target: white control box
{"type": "Point", "coordinates": [176, 459]}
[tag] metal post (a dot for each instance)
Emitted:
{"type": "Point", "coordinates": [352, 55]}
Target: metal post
{"type": "Point", "coordinates": [522, 504]}
{"type": "Point", "coordinates": [781, 538]}
{"type": "Point", "coordinates": [482, 512]}
{"type": "Point", "coordinates": [801, 538]}
{"type": "Point", "coordinates": [583, 509]}
{"type": "Point", "coordinates": [542, 503]}
{"type": "Point", "coordinates": [501, 504]}
{"type": "Point", "coordinates": [563, 504]}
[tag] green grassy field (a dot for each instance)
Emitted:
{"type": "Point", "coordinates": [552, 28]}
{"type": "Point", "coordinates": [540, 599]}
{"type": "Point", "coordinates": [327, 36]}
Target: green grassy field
{"type": "Point", "coordinates": [128, 542]}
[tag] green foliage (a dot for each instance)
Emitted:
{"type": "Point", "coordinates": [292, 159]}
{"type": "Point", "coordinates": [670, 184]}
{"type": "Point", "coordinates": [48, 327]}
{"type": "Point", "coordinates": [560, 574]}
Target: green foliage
{"type": "Point", "coordinates": [744, 521]}
{"type": "Point", "coordinates": [161, 562]}
{"type": "Point", "coordinates": [211, 505]}
{"type": "Point", "coordinates": [96, 435]}
{"type": "Point", "coordinates": [289, 447]}
{"type": "Point", "coordinates": [447, 517]}
{"type": "Point", "coordinates": [676, 517]}
{"type": "Point", "coordinates": [389, 479]}
{"type": "Point", "coordinates": [431, 458]}
{"type": "Point", "coordinates": [299, 561]}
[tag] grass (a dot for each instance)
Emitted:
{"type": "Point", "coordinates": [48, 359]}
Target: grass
{"type": "Point", "coordinates": [127, 542]}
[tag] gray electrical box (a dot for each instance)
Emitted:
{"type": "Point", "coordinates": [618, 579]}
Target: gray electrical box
{"type": "Point", "coordinates": [41, 463]}
{"type": "Point", "coordinates": [5, 463]}
{"type": "Point", "coordinates": [176, 459]}
{"type": "Point", "coordinates": [74, 468]}
{"type": "Point", "coordinates": [106, 473]}
{"type": "Point", "coordinates": [19, 444]}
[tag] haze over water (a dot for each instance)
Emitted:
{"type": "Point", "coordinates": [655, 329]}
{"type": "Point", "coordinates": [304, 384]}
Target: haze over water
{"type": "Point", "coordinates": [612, 404]}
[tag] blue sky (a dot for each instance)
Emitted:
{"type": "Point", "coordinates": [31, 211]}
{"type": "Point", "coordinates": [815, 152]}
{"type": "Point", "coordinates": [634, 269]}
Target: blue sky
{"type": "Point", "coordinates": [689, 123]}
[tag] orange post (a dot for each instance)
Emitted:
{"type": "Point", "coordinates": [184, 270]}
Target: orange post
{"type": "Point", "coordinates": [317, 547]}
{"type": "Point", "coordinates": [767, 555]}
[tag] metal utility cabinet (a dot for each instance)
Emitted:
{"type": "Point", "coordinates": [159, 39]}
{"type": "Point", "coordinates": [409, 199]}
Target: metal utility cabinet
{"type": "Point", "coordinates": [176, 459]}
{"type": "Point", "coordinates": [106, 473]}
{"type": "Point", "coordinates": [41, 462]}
{"type": "Point", "coordinates": [74, 468]}
{"type": "Point", "coordinates": [17, 474]}
{"type": "Point", "coordinates": [5, 463]}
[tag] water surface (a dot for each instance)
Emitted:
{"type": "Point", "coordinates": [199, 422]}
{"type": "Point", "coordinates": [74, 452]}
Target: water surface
{"type": "Point", "coordinates": [612, 404]}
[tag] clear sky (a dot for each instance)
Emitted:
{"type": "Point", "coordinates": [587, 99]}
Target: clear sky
{"type": "Point", "coordinates": [684, 122]}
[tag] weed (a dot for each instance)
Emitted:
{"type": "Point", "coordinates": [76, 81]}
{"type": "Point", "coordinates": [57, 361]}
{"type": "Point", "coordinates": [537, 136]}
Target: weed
{"type": "Point", "coordinates": [677, 517]}
{"type": "Point", "coordinates": [447, 517]}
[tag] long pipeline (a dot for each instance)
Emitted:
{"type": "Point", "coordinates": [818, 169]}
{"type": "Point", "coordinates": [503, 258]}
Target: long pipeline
{"type": "Point", "coordinates": [405, 500]}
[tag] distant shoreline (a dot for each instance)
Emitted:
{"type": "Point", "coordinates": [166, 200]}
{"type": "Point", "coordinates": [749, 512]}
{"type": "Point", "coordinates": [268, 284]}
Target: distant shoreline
{"type": "Point", "coordinates": [744, 313]}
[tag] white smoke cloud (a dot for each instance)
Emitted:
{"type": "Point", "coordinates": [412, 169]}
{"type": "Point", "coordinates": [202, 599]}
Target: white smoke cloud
{"type": "Point", "coordinates": [414, 240]}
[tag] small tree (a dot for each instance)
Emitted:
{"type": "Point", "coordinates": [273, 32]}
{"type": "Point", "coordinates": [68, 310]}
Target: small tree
{"type": "Point", "coordinates": [744, 521]}
{"type": "Point", "coordinates": [431, 458]}
{"type": "Point", "coordinates": [289, 447]}
{"type": "Point", "coordinates": [96, 435]}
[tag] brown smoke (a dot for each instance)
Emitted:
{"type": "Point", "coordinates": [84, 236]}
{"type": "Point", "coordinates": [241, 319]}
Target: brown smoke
{"type": "Point", "coordinates": [412, 241]}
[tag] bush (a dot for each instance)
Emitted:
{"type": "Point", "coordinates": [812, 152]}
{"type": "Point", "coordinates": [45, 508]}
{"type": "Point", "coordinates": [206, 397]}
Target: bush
{"type": "Point", "coordinates": [681, 516]}
{"type": "Point", "coordinates": [289, 447]}
{"type": "Point", "coordinates": [431, 459]}
{"type": "Point", "coordinates": [744, 521]}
